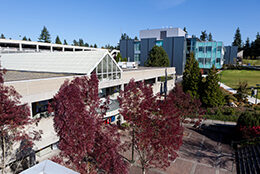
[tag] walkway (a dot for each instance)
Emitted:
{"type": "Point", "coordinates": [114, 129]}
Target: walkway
{"type": "Point", "coordinates": [250, 99]}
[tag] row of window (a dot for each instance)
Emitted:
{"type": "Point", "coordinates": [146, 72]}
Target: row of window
{"type": "Point", "coordinates": [207, 60]}
{"type": "Point", "coordinates": [208, 49]}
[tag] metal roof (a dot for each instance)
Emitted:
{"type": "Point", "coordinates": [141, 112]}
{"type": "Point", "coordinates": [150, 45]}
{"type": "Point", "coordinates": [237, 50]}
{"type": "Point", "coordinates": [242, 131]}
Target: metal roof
{"type": "Point", "coordinates": [48, 167]}
{"type": "Point", "coordinates": [82, 62]}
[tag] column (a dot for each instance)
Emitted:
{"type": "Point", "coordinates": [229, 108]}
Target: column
{"type": "Point", "coordinates": [37, 48]}
{"type": "Point", "coordinates": [20, 47]}
{"type": "Point", "coordinates": [63, 49]}
{"type": "Point", "coordinates": [51, 49]}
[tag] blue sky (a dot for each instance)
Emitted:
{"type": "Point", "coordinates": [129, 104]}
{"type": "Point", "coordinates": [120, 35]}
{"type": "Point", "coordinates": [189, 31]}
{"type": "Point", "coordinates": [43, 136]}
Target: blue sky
{"type": "Point", "coordinates": [103, 21]}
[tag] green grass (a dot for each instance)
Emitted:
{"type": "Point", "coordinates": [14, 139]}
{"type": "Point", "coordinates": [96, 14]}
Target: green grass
{"type": "Point", "coordinates": [252, 62]}
{"type": "Point", "coordinates": [232, 78]}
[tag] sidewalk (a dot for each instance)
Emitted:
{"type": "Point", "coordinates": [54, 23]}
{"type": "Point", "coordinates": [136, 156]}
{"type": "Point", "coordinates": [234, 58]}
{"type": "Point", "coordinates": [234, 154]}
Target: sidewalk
{"type": "Point", "coordinates": [250, 99]}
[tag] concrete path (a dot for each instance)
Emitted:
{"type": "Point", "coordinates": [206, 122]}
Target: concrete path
{"type": "Point", "coordinates": [251, 100]}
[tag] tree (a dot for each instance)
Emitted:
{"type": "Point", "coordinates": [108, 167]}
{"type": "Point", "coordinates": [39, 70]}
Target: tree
{"type": "Point", "coordinates": [81, 42]}
{"type": "Point", "coordinates": [136, 38]}
{"type": "Point", "coordinates": [86, 44]}
{"type": "Point", "coordinates": [45, 36]}
{"type": "Point", "coordinates": [2, 36]}
{"type": "Point", "coordinates": [14, 119]}
{"type": "Point", "coordinates": [57, 40]}
{"type": "Point", "coordinates": [192, 78]}
{"type": "Point", "coordinates": [86, 143]}
{"type": "Point", "coordinates": [145, 112]}
{"type": "Point", "coordinates": [237, 39]}
{"type": "Point", "coordinates": [29, 39]}
{"type": "Point", "coordinates": [124, 36]}
{"type": "Point", "coordinates": [204, 35]}
{"type": "Point", "coordinates": [247, 50]}
{"type": "Point", "coordinates": [256, 46]}
{"type": "Point", "coordinates": [24, 38]}
{"type": "Point", "coordinates": [75, 43]}
{"type": "Point", "coordinates": [118, 57]}
{"type": "Point", "coordinates": [241, 91]}
{"type": "Point", "coordinates": [210, 37]}
{"type": "Point", "coordinates": [184, 29]}
{"type": "Point", "coordinates": [65, 42]}
{"type": "Point", "coordinates": [212, 95]}
{"type": "Point", "coordinates": [157, 57]}
{"type": "Point", "coordinates": [95, 45]}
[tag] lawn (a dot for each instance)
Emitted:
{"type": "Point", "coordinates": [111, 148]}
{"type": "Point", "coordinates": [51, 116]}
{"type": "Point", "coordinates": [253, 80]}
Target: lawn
{"type": "Point", "coordinates": [232, 78]}
{"type": "Point", "coordinates": [252, 62]}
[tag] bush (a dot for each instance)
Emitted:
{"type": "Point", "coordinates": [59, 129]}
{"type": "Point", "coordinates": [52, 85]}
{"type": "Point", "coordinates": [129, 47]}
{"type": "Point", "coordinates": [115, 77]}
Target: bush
{"type": "Point", "coordinates": [249, 119]}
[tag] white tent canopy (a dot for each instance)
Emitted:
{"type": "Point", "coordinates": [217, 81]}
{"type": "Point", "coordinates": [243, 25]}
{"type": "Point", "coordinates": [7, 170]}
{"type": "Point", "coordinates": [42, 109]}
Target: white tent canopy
{"type": "Point", "coordinates": [48, 167]}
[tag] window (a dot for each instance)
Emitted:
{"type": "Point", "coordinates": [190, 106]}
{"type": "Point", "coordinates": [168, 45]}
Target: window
{"type": "Point", "coordinates": [163, 34]}
{"type": "Point", "coordinates": [218, 60]}
{"type": "Point", "coordinates": [201, 60]}
{"type": "Point", "coordinates": [137, 57]}
{"type": "Point", "coordinates": [137, 46]}
{"type": "Point", "coordinates": [207, 60]}
{"type": "Point", "coordinates": [208, 48]}
{"type": "Point", "coordinates": [201, 49]}
{"type": "Point", "coordinates": [219, 48]}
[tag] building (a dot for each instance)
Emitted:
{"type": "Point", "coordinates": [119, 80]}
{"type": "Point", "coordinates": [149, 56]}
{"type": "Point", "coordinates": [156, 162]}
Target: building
{"type": "Point", "coordinates": [209, 53]}
{"type": "Point", "coordinates": [178, 45]}
{"type": "Point", "coordinates": [38, 77]}
{"type": "Point", "coordinates": [171, 39]}
{"type": "Point", "coordinates": [231, 54]}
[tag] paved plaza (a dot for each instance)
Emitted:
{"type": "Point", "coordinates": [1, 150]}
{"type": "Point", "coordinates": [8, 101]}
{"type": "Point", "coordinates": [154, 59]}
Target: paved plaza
{"type": "Point", "coordinates": [204, 151]}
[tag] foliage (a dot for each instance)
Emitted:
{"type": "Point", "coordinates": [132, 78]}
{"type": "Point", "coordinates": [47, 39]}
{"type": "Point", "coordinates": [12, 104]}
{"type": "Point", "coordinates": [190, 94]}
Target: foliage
{"type": "Point", "coordinates": [210, 38]}
{"type": "Point", "coordinates": [184, 29]}
{"type": "Point", "coordinates": [65, 42]}
{"type": "Point", "coordinates": [45, 36]}
{"type": "Point", "coordinates": [146, 112]}
{"type": "Point", "coordinates": [2, 36]}
{"type": "Point", "coordinates": [124, 36]}
{"type": "Point", "coordinates": [192, 78]}
{"type": "Point", "coordinates": [157, 57]}
{"type": "Point", "coordinates": [225, 113]}
{"type": "Point", "coordinates": [118, 57]}
{"type": "Point", "coordinates": [212, 95]}
{"type": "Point", "coordinates": [241, 94]}
{"type": "Point", "coordinates": [24, 38]}
{"type": "Point", "coordinates": [57, 40]}
{"type": "Point", "coordinates": [85, 141]}
{"type": "Point", "coordinates": [204, 35]}
{"type": "Point", "coordinates": [75, 43]}
{"type": "Point", "coordinates": [81, 42]}
{"type": "Point", "coordinates": [95, 45]}
{"type": "Point", "coordinates": [237, 39]}
{"type": "Point", "coordinates": [14, 122]}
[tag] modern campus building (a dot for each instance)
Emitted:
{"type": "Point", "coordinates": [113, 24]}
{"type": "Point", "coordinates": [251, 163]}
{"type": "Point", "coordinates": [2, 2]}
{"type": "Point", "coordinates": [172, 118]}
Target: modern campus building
{"type": "Point", "coordinates": [178, 45]}
{"type": "Point", "coordinates": [231, 54]}
{"type": "Point", "coordinates": [38, 76]}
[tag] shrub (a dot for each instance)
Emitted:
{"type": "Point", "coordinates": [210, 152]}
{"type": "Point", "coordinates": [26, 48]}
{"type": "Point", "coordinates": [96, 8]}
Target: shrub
{"type": "Point", "coordinates": [249, 119]}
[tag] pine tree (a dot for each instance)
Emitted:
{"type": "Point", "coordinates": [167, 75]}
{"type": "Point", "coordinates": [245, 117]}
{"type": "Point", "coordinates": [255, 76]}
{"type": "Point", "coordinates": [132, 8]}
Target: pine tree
{"type": "Point", "coordinates": [157, 57]}
{"type": "Point", "coordinates": [29, 39]}
{"type": "Point", "coordinates": [192, 78]}
{"type": "Point", "coordinates": [95, 45]}
{"type": "Point", "coordinates": [257, 46]}
{"type": "Point", "coordinates": [86, 44]}
{"type": "Point", "coordinates": [210, 37]}
{"type": "Point", "coordinates": [204, 35]}
{"type": "Point", "coordinates": [45, 36]}
{"type": "Point", "coordinates": [212, 95]}
{"type": "Point", "coordinates": [2, 36]}
{"type": "Point", "coordinates": [75, 43]}
{"type": "Point", "coordinates": [247, 49]}
{"type": "Point", "coordinates": [65, 42]}
{"type": "Point", "coordinates": [136, 38]}
{"type": "Point", "coordinates": [81, 42]}
{"type": "Point", "coordinates": [237, 39]}
{"type": "Point", "coordinates": [57, 40]}
{"type": "Point", "coordinates": [24, 38]}
{"type": "Point", "coordinates": [184, 29]}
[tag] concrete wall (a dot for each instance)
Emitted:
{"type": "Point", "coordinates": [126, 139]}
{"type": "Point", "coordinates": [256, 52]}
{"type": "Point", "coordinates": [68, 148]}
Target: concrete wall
{"type": "Point", "coordinates": [155, 33]}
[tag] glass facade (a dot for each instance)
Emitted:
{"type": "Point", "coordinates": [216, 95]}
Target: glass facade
{"type": "Point", "coordinates": [107, 69]}
{"type": "Point", "coordinates": [159, 43]}
{"type": "Point", "coordinates": [209, 54]}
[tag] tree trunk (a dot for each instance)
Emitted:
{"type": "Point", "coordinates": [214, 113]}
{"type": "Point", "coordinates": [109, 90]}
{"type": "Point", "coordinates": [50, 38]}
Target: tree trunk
{"type": "Point", "coordinates": [3, 154]}
{"type": "Point", "coordinates": [133, 145]}
{"type": "Point", "coordinates": [143, 170]}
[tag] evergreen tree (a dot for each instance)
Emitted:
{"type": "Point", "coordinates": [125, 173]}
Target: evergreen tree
{"type": "Point", "coordinates": [65, 42]}
{"type": "Point", "coordinates": [192, 78]}
{"type": "Point", "coordinates": [184, 29]}
{"type": "Point", "coordinates": [157, 57]}
{"type": "Point", "coordinates": [247, 49]}
{"type": "Point", "coordinates": [256, 48]}
{"type": "Point", "coordinates": [210, 37]}
{"type": "Point", "coordinates": [212, 95]}
{"type": "Point", "coordinates": [24, 38]}
{"type": "Point", "coordinates": [86, 44]}
{"type": "Point", "coordinates": [57, 40]}
{"type": "Point", "coordinates": [75, 43]}
{"type": "Point", "coordinates": [237, 39]}
{"type": "Point", "coordinates": [124, 36]}
{"type": "Point", "coordinates": [81, 42]}
{"type": "Point", "coordinates": [29, 39]}
{"type": "Point", "coordinates": [2, 36]}
{"type": "Point", "coordinates": [136, 38]}
{"type": "Point", "coordinates": [204, 35]}
{"type": "Point", "coordinates": [118, 57]}
{"type": "Point", "coordinates": [91, 46]}
{"type": "Point", "coordinates": [95, 45]}
{"type": "Point", "coordinates": [45, 36]}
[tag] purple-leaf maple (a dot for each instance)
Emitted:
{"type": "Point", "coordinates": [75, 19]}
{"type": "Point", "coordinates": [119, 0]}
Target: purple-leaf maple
{"type": "Point", "coordinates": [155, 124]}
{"type": "Point", "coordinates": [86, 143]}
{"type": "Point", "coordinates": [14, 121]}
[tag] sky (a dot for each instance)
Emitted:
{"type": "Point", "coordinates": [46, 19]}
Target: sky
{"type": "Point", "coordinates": [103, 21]}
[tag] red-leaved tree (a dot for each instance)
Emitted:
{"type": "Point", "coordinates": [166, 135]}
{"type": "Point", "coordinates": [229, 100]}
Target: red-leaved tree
{"type": "Point", "coordinates": [86, 143]}
{"type": "Point", "coordinates": [155, 125]}
{"type": "Point", "coordinates": [14, 122]}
